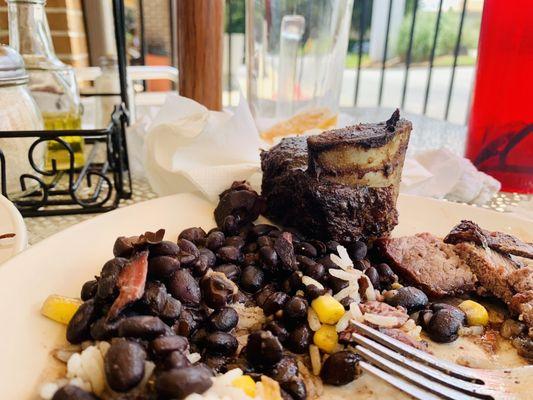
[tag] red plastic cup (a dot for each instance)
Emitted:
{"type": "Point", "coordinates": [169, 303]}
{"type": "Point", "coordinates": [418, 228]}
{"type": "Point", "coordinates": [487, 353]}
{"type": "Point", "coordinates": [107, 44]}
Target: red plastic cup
{"type": "Point", "coordinates": [500, 132]}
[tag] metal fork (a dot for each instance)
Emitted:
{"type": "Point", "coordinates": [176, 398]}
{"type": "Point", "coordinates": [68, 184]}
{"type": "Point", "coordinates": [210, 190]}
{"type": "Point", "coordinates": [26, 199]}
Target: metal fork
{"type": "Point", "coordinates": [426, 377]}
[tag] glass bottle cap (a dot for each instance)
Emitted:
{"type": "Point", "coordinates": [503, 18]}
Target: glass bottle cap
{"type": "Point", "coordinates": [12, 70]}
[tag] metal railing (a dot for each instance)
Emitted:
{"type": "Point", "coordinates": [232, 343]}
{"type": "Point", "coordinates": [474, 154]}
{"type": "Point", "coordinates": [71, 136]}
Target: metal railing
{"type": "Point", "coordinates": [364, 7]}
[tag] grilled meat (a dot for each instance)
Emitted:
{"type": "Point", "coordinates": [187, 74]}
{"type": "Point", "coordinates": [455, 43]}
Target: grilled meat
{"type": "Point", "coordinates": [427, 262]}
{"type": "Point", "coordinates": [468, 231]}
{"type": "Point", "coordinates": [340, 185]}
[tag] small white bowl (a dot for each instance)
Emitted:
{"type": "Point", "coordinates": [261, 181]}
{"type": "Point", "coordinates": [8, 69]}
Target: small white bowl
{"type": "Point", "coordinates": [11, 222]}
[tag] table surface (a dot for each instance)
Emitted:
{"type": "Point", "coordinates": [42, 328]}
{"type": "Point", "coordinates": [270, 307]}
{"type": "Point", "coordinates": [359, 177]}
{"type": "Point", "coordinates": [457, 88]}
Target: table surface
{"type": "Point", "coordinates": [428, 133]}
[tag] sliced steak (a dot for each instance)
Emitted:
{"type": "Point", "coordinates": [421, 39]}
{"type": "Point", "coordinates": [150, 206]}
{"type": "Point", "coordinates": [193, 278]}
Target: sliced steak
{"type": "Point", "coordinates": [468, 231]}
{"type": "Point", "coordinates": [492, 269]}
{"type": "Point", "coordinates": [522, 305]}
{"type": "Point", "coordinates": [521, 280]}
{"type": "Point", "coordinates": [427, 262]}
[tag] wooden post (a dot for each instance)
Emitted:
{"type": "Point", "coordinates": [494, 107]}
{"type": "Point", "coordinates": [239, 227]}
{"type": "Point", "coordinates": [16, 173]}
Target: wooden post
{"type": "Point", "coordinates": [200, 47]}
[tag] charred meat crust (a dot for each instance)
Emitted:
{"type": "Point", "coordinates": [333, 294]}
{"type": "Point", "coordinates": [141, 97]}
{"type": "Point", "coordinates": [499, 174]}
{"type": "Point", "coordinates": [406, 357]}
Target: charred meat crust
{"type": "Point", "coordinates": [321, 208]}
{"type": "Point", "coordinates": [468, 231]}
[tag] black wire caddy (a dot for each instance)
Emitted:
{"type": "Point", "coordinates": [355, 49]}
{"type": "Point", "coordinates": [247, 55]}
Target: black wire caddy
{"type": "Point", "coordinates": [103, 180]}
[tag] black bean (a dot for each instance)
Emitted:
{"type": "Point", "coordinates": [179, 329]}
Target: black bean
{"type": "Point", "coordinates": [176, 359]}
{"type": "Point", "coordinates": [142, 326]}
{"type": "Point", "coordinates": [221, 344]}
{"type": "Point", "coordinates": [275, 302]}
{"type": "Point", "coordinates": [285, 370]}
{"type": "Point", "coordinates": [265, 241]}
{"type": "Point", "coordinates": [269, 258]}
{"type": "Point", "coordinates": [184, 287]}
{"type": "Point", "coordinates": [71, 392]}
{"type": "Point", "coordinates": [296, 388]}
{"type": "Point", "coordinates": [332, 246]}
{"type": "Point", "coordinates": [188, 322]}
{"type": "Point", "coordinates": [457, 313]}
{"type": "Point", "coordinates": [223, 319]}
{"type": "Point", "coordinates": [300, 339]}
{"type": "Point", "coordinates": [357, 251]}
{"type": "Point", "coordinates": [171, 310]}
{"type": "Point", "coordinates": [215, 240]}
{"type": "Point", "coordinates": [327, 262]}
{"type": "Point", "coordinates": [293, 283]}
{"type": "Point", "coordinates": [107, 283]}
{"type": "Point", "coordinates": [88, 290]}
{"type": "Point", "coordinates": [188, 252]}
{"type": "Point", "coordinates": [124, 365]}
{"type": "Point", "coordinates": [305, 249]}
{"type": "Point", "coordinates": [295, 309]}
{"type": "Point", "coordinates": [386, 276]}
{"type": "Point", "coordinates": [164, 248]}
{"type": "Point", "coordinates": [155, 296]}
{"type": "Point", "coordinates": [410, 298]}
{"type": "Point", "coordinates": [444, 325]}
{"type": "Point", "coordinates": [251, 248]}
{"type": "Point", "coordinates": [311, 268]}
{"type": "Point", "coordinates": [179, 383]}
{"type": "Point", "coordinates": [312, 292]}
{"type": "Point", "coordinates": [263, 229]}
{"type": "Point", "coordinates": [162, 266]}
{"type": "Point", "coordinates": [264, 293]}
{"type": "Point", "coordinates": [195, 235]}
{"type": "Point", "coordinates": [231, 271]}
{"type": "Point", "coordinates": [217, 290]}
{"type": "Point", "coordinates": [336, 284]}
{"type": "Point", "coordinates": [340, 368]}
{"type": "Point", "coordinates": [102, 329]}
{"type": "Point", "coordinates": [319, 246]}
{"type": "Point", "coordinates": [167, 344]}
{"type": "Point", "coordinates": [78, 328]}
{"type": "Point", "coordinates": [361, 265]}
{"type": "Point", "coordinates": [235, 241]}
{"type": "Point", "coordinates": [230, 225]}
{"type": "Point", "coordinates": [277, 330]}
{"type": "Point", "coordinates": [198, 340]}
{"type": "Point", "coordinates": [263, 349]}
{"type": "Point", "coordinates": [346, 302]}
{"type": "Point", "coordinates": [424, 317]}
{"type": "Point", "coordinates": [209, 256]}
{"type": "Point", "coordinates": [123, 246]}
{"type": "Point", "coordinates": [373, 275]}
{"type": "Point", "coordinates": [229, 254]}
{"type": "Point", "coordinates": [241, 297]}
{"type": "Point", "coordinates": [252, 279]}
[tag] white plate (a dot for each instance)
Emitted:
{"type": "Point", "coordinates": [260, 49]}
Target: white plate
{"type": "Point", "coordinates": [11, 222]}
{"type": "Point", "coordinates": [61, 263]}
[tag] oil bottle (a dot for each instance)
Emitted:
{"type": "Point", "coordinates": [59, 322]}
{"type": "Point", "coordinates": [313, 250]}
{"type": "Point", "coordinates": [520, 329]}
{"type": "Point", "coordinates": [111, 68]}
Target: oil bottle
{"type": "Point", "coordinates": [52, 83]}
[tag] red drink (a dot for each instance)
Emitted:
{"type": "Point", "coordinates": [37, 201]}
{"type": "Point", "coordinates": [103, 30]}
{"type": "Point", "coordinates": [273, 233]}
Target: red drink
{"type": "Point", "coordinates": [500, 132]}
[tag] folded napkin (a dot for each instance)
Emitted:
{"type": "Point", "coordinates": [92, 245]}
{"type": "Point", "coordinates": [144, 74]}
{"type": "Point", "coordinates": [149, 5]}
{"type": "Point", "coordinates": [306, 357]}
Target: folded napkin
{"type": "Point", "coordinates": [187, 148]}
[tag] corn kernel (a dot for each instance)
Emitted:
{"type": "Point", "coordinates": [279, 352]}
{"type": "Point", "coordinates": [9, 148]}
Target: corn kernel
{"type": "Point", "coordinates": [246, 383]}
{"type": "Point", "coordinates": [328, 309]}
{"type": "Point", "coordinates": [476, 314]}
{"type": "Point", "coordinates": [60, 308]}
{"type": "Point", "coordinates": [396, 285]}
{"type": "Point", "coordinates": [326, 338]}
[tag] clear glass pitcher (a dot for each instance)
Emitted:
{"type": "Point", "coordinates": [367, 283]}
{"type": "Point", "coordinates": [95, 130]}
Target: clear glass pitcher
{"type": "Point", "coordinates": [295, 56]}
{"type": "Point", "coordinates": [52, 83]}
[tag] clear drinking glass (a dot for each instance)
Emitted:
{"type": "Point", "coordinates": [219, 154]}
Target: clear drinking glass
{"type": "Point", "coordinates": [295, 56]}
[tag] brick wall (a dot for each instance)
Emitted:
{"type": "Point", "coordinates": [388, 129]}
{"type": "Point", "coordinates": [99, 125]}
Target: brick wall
{"type": "Point", "coordinates": [67, 27]}
{"type": "Point", "coordinates": [157, 24]}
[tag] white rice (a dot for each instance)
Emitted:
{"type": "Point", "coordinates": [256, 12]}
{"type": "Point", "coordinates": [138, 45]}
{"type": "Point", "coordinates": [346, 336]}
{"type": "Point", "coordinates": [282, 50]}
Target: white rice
{"type": "Point", "coordinates": [307, 280]}
{"type": "Point", "coordinates": [313, 320]}
{"type": "Point", "coordinates": [250, 318]}
{"type": "Point", "coordinates": [194, 357]}
{"type": "Point", "coordinates": [381, 320]}
{"type": "Point", "coordinates": [314, 355]}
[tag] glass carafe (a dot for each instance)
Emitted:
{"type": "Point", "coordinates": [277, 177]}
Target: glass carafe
{"type": "Point", "coordinates": [52, 83]}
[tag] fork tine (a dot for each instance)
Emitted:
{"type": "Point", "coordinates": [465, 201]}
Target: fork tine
{"type": "Point", "coordinates": [399, 383]}
{"type": "Point", "coordinates": [425, 358]}
{"type": "Point", "coordinates": [418, 367]}
{"type": "Point", "coordinates": [411, 376]}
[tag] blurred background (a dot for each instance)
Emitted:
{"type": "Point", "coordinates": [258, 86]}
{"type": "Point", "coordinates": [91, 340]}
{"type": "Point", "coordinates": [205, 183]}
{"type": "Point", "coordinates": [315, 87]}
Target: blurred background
{"type": "Point", "coordinates": [417, 54]}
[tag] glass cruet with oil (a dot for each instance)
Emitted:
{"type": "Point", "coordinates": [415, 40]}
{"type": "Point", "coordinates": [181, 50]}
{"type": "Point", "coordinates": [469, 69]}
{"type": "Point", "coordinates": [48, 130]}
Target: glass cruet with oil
{"type": "Point", "coordinates": [52, 83]}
